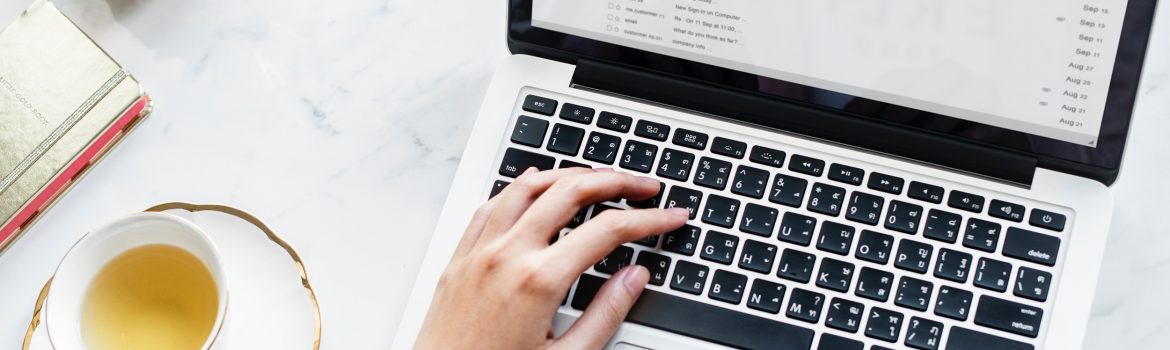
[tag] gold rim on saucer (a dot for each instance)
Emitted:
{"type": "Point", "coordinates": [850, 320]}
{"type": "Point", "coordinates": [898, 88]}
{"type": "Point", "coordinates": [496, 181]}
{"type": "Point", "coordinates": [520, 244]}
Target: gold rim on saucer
{"type": "Point", "coordinates": [243, 215]}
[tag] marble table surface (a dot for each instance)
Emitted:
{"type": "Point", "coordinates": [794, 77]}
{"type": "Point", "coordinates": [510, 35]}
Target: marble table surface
{"type": "Point", "coordinates": [341, 123]}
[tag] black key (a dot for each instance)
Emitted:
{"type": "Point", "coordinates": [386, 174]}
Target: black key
{"type": "Point", "coordinates": [758, 220]}
{"type": "Point", "coordinates": [565, 163]}
{"type": "Point", "coordinates": [879, 347]}
{"type": "Point", "coordinates": [765, 296]}
{"type": "Point", "coordinates": [648, 241]}
{"type": "Point", "coordinates": [658, 265]}
{"type": "Point", "coordinates": [757, 256]}
{"type": "Point", "coordinates": [602, 148]}
{"type": "Point", "coordinates": [796, 229]}
{"type": "Point", "coordinates": [565, 139]}
{"type": "Point", "coordinates": [874, 247]}
{"type": "Point", "coordinates": [517, 161]}
{"type": "Point", "coordinates": [1008, 316]}
{"type": "Point", "coordinates": [1031, 246]}
{"type": "Point", "coordinates": [981, 234]}
{"type": "Point", "coordinates": [692, 139]}
{"type": "Point", "coordinates": [617, 259]}
{"type": "Point", "coordinates": [767, 156]}
{"type": "Point", "coordinates": [847, 174]}
{"type": "Point", "coordinates": [886, 183]}
{"type": "Point", "coordinates": [884, 324]}
{"type": "Point", "coordinates": [682, 197]}
{"type": "Point", "coordinates": [966, 201]}
{"type": "Point", "coordinates": [572, 112]}
{"type": "Point", "coordinates": [712, 173]}
{"type": "Point", "coordinates": [675, 164]}
{"type": "Point", "coordinates": [652, 202]}
{"type": "Point", "coordinates": [965, 339]}
{"type": "Point", "coordinates": [683, 241]}
{"type": "Point", "coordinates": [529, 131]}
{"type": "Point", "coordinates": [913, 256]}
{"type": "Point", "coordinates": [788, 190]}
{"type": "Point", "coordinates": [689, 277]}
{"type": "Point", "coordinates": [498, 187]}
{"type": "Point", "coordinates": [865, 208]}
{"type": "Point", "coordinates": [835, 238]}
{"type": "Point", "coordinates": [903, 217]}
{"type": "Point", "coordinates": [719, 247]}
{"type": "Point", "coordinates": [537, 104]}
{"type": "Point", "coordinates": [805, 305]}
{"type": "Point", "coordinates": [826, 199]}
{"type": "Point", "coordinates": [1032, 284]}
{"type": "Point", "coordinates": [721, 211]}
{"type": "Point", "coordinates": [615, 122]}
{"type": "Point", "coordinates": [914, 293]}
{"type": "Point", "coordinates": [953, 303]}
{"type": "Point", "coordinates": [728, 147]}
{"type": "Point", "coordinates": [750, 182]}
{"type": "Point", "coordinates": [835, 275]}
{"type": "Point", "coordinates": [796, 265]}
{"type": "Point", "coordinates": [942, 226]}
{"type": "Point", "coordinates": [638, 156]}
{"type": "Point", "coordinates": [652, 130]}
{"type": "Point", "coordinates": [601, 208]}
{"type": "Point", "coordinates": [924, 334]}
{"type": "Point", "coordinates": [806, 165]}
{"type": "Point", "coordinates": [577, 219]}
{"type": "Point", "coordinates": [952, 265]}
{"type": "Point", "coordinates": [925, 192]}
{"type": "Point", "coordinates": [1006, 210]}
{"type": "Point", "coordinates": [992, 274]}
{"type": "Point", "coordinates": [727, 287]}
{"type": "Point", "coordinates": [1047, 219]}
{"type": "Point", "coordinates": [874, 284]}
{"type": "Point", "coordinates": [587, 287]}
{"type": "Point", "coordinates": [844, 315]}
{"type": "Point", "coordinates": [832, 342]}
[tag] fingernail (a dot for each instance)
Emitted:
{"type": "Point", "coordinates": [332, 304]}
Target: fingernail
{"type": "Point", "coordinates": [635, 278]}
{"type": "Point", "coordinates": [648, 180]}
{"type": "Point", "coordinates": [676, 211]}
{"type": "Point", "coordinates": [530, 170]}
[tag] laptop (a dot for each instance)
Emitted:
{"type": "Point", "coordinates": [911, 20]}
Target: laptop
{"type": "Point", "coordinates": [860, 174]}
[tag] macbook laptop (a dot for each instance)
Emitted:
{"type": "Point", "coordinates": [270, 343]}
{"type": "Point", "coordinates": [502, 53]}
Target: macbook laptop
{"type": "Point", "coordinates": [860, 174]}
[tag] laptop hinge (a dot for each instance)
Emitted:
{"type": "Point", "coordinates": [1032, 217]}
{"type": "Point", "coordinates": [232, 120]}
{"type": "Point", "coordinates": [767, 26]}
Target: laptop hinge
{"type": "Point", "coordinates": [799, 118]}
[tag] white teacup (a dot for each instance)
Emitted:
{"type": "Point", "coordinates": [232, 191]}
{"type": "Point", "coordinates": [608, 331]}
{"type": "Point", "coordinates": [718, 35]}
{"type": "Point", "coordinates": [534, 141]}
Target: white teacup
{"type": "Point", "coordinates": [66, 299]}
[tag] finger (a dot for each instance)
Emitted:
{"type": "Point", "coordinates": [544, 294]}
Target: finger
{"type": "Point", "coordinates": [517, 197]}
{"type": "Point", "coordinates": [596, 238]}
{"type": "Point", "coordinates": [474, 228]}
{"type": "Point", "coordinates": [553, 209]}
{"type": "Point", "coordinates": [609, 307]}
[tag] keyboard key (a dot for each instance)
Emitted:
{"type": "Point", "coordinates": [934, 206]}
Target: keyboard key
{"type": "Point", "coordinates": [805, 305]}
{"type": "Point", "coordinates": [765, 296]}
{"type": "Point", "coordinates": [721, 211]}
{"type": "Point", "coordinates": [886, 183]}
{"type": "Point", "coordinates": [652, 130]}
{"type": "Point", "coordinates": [682, 197]}
{"type": "Point", "coordinates": [675, 164]}
{"type": "Point", "coordinates": [712, 173]}
{"type": "Point", "coordinates": [865, 208]}
{"type": "Point", "coordinates": [750, 182]}
{"type": "Point", "coordinates": [914, 293]}
{"type": "Point", "coordinates": [757, 256]}
{"type": "Point", "coordinates": [806, 165]}
{"type": "Point", "coordinates": [982, 235]}
{"type": "Point", "coordinates": [952, 265]}
{"type": "Point", "coordinates": [639, 156]}
{"type": "Point", "coordinates": [719, 247]}
{"type": "Point", "coordinates": [913, 256]}
{"type": "Point", "coordinates": [602, 148]}
{"type": "Point", "coordinates": [966, 201]}
{"type": "Point", "coordinates": [565, 163]}
{"type": "Point", "coordinates": [832, 342]}
{"type": "Point", "coordinates": [689, 277]}
{"type": "Point", "coordinates": [788, 190]}
{"type": "Point", "coordinates": [835, 275]}
{"type": "Point", "coordinates": [884, 324]}
{"type": "Point", "coordinates": [1031, 246]}
{"type": "Point", "coordinates": [1047, 219]}
{"type": "Point", "coordinates": [942, 226]}
{"type": "Point", "coordinates": [796, 229]}
{"type": "Point", "coordinates": [758, 220]}
{"type": "Point", "coordinates": [1006, 210]}
{"type": "Point", "coordinates": [953, 303]}
{"type": "Point", "coordinates": [874, 247]}
{"type": "Point", "coordinates": [767, 156]}
{"type": "Point", "coordinates": [498, 187]}
{"type": "Point", "coordinates": [648, 241]}
{"type": "Point", "coordinates": [565, 139]}
{"type": "Point", "coordinates": [617, 259]}
{"type": "Point", "coordinates": [529, 131]}
{"type": "Point", "coordinates": [796, 265]}
{"type": "Point", "coordinates": [587, 287]}
{"type": "Point", "coordinates": [847, 174]}
{"type": "Point", "coordinates": [537, 104]}
{"type": "Point", "coordinates": [965, 339]}
{"type": "Point", "coordinates": [1008, 316]}
{"type": "Point", "coordinates": [874, 284]}
{"type": "Point", "coordinates": [683, 241]}
{"type": "Point", "coordinates": [903, 217]}
{"type": "Point", "coordinates": [727, 287]}
{"type": "Point", "coordinates": [835, 238]}
{"type": "Point", "coordinates": [826, 199]}
{"type": "Point", "coordinates": [692, 139]}
{"type": "Point", "coordinates": [992, 274]}
{"type": "Point", "coordinates": [572, 112]}
{"type": "Point", "coordinates": [517, 161]}
{"type": "Point", "coordinates": [615, 122]}
{"type": "Point", "coordinates": [652, 202]}
{"type": "Point", "coordinates": [925, 192]}
{"type": "Point", "coordinates": [577, 219]}
{"type": "Point", "coordinates": [718, 325]}
{"type": "Point", "coordinates": [924, 334]}
{"type": "Point", "coordinates": [844, 315]}
{"type": "Point", "coordinates": [1032, 284]}
{"type": "Point", "coordinates": [728, 147]}
{"type": "Point", "coordinates": [657, 264]}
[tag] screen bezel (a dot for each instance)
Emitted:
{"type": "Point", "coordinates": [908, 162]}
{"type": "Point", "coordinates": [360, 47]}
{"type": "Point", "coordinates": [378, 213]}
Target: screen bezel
{"type": "Point", "coordinates": [1101, 162]}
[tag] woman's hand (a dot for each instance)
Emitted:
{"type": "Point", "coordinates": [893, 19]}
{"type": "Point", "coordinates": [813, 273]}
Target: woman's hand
{"type": "Point", "coordinates": [505, 281]}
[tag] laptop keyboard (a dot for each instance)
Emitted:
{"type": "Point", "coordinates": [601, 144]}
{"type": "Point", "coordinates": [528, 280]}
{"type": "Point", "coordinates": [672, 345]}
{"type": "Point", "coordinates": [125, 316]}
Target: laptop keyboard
{"type": "Point", "coordinates": [794, 249]}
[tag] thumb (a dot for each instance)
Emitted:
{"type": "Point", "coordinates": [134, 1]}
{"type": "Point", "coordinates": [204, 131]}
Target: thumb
{"type": "Point", "coordinates": [603, 316]}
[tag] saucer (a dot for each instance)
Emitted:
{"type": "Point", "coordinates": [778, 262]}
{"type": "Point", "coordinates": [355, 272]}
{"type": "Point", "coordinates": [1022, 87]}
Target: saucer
{"type": "Point", "coordinates": [271, 305]}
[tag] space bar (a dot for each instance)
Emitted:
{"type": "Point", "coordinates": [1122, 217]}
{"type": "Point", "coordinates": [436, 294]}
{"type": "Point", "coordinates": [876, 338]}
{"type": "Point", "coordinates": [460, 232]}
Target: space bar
{"type": "Point", "coordinates": [716, 324]}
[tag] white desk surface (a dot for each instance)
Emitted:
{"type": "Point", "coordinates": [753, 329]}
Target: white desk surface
{"type": "Point", "coordinates": [341, 123]}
